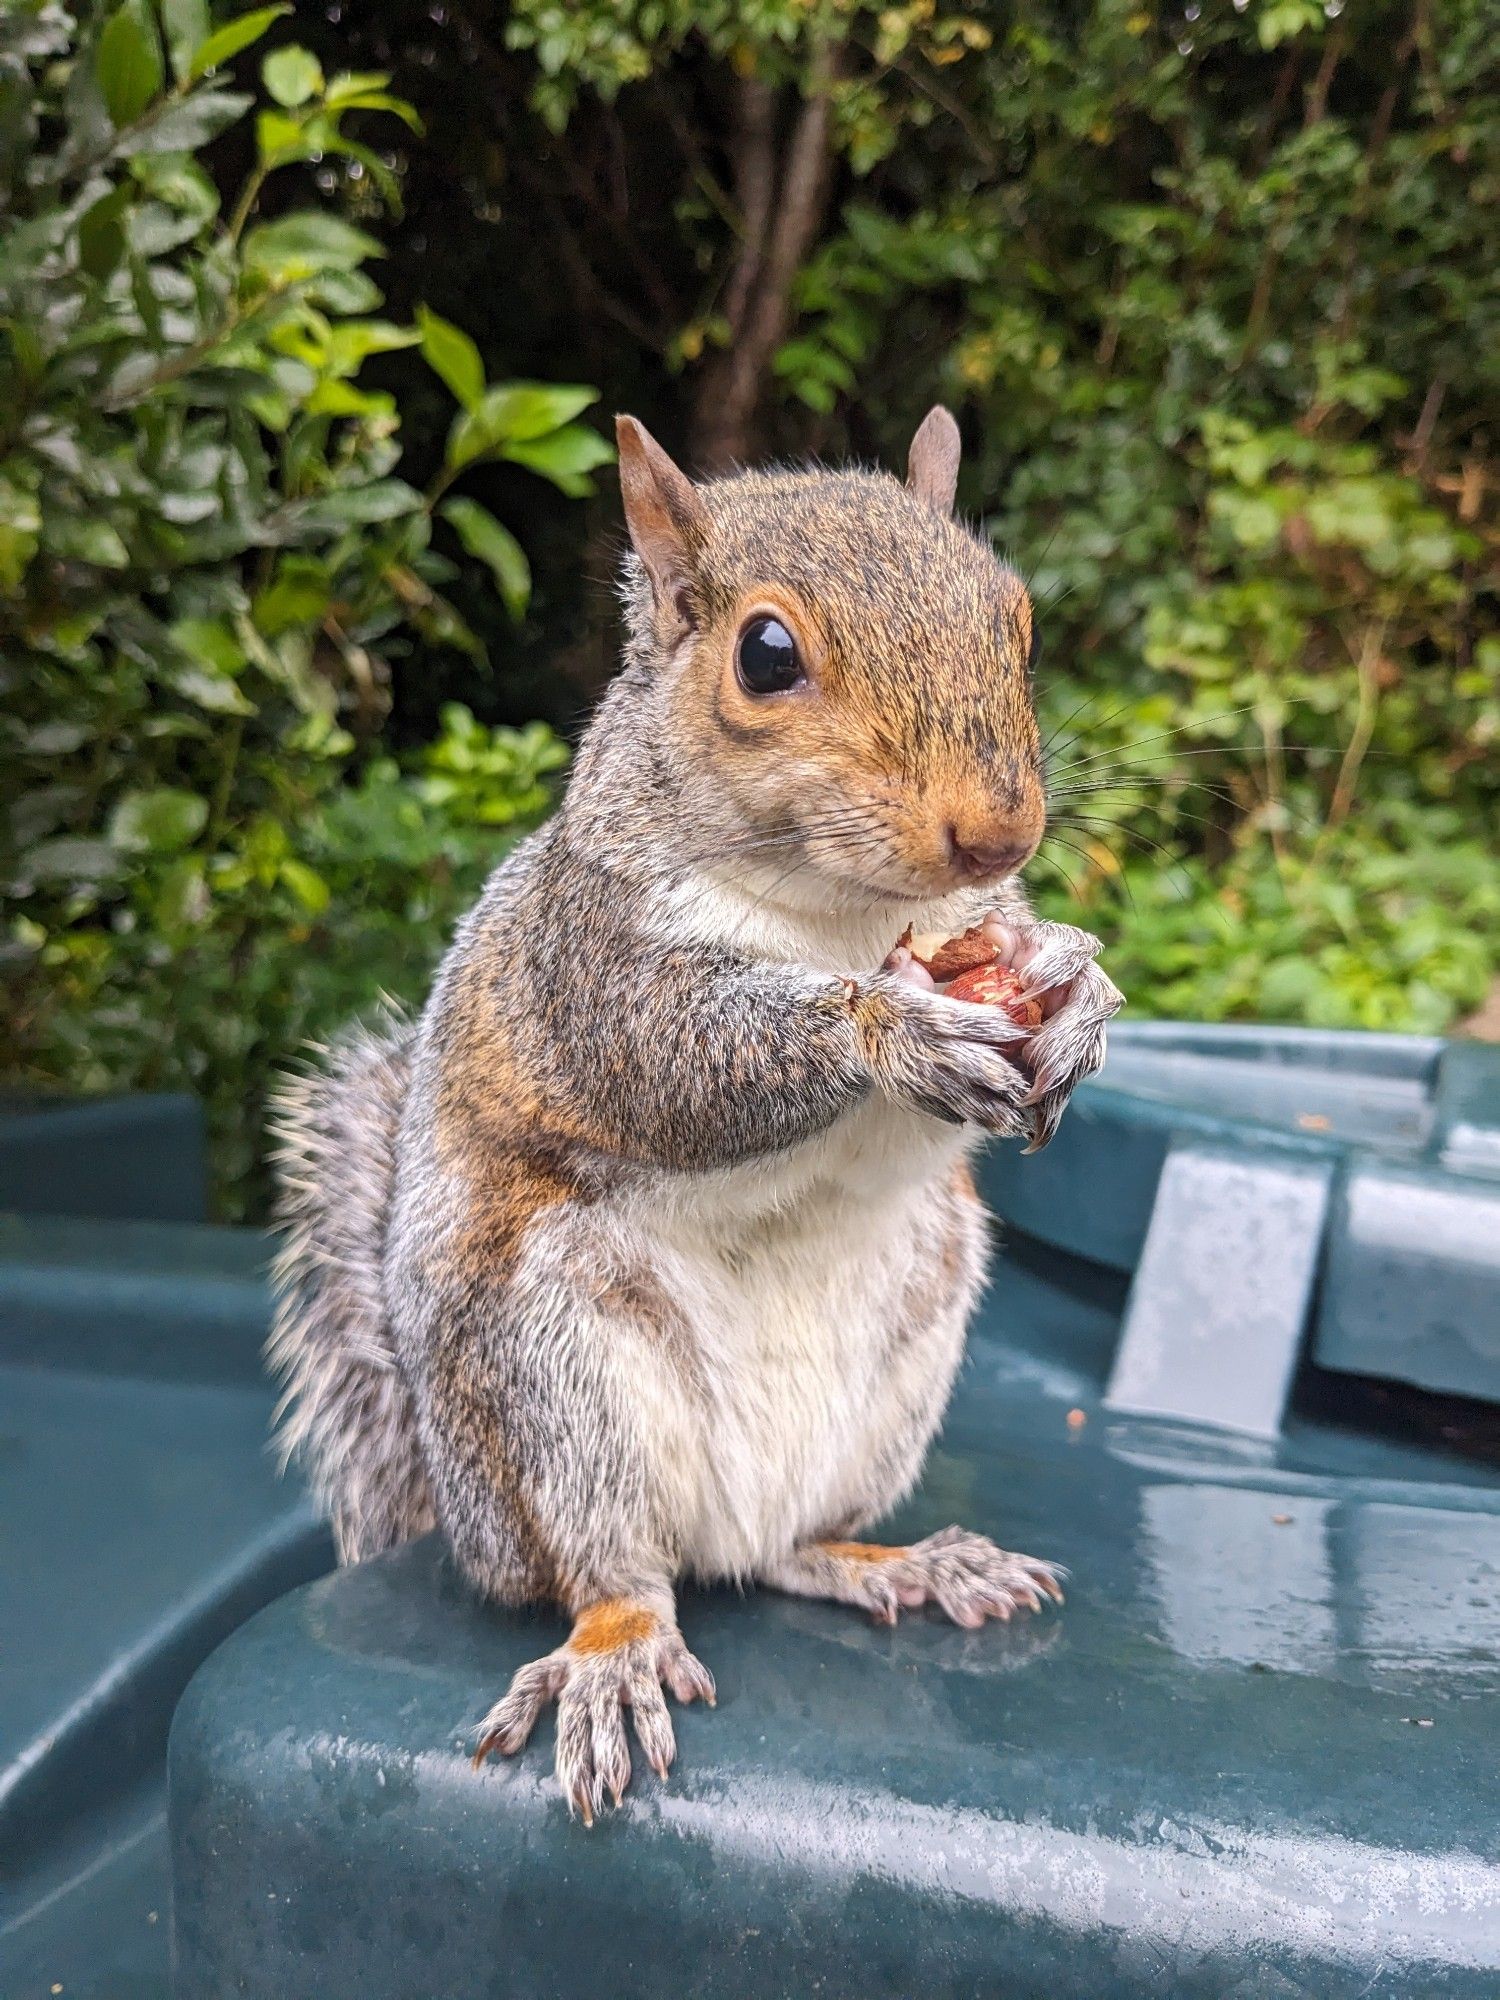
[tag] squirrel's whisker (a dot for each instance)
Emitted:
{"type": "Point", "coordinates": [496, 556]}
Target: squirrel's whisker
{"type": "Point", "coordinates": [1051, 861]}
{"type": "Point", "coordinates": [1165, 735]}
{"type": "Point", "coordinates": [1143, 840]}
{"type": "Point", "coordinates": [1090, 862]}
{"type": "Point", "coordinates": [1073, 714]}
{"type": "Point", "coordinates": [1301, 819]}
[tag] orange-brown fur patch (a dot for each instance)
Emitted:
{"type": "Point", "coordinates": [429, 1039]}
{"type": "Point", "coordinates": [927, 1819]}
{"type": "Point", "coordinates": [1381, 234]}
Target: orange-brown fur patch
{"type": "Point", "coordinates": [873, 1015]}
{"type": "Point", "coordinates": [607, 1626]}
{"type": "Point", "coordinates": [861, 1552]}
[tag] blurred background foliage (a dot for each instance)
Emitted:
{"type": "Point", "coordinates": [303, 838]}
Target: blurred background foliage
{"type": "Point", "coordinates": [1211, 288]}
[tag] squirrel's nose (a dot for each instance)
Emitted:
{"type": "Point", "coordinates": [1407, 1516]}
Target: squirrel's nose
{"type": "Point", "coordinates": [990, 856]}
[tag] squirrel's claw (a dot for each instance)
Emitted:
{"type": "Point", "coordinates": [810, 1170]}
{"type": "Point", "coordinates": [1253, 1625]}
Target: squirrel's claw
{"type": "Point", "coordinates": [592, 1688]}
{"type": "Point", "coordinates": [966, 1576]}
{"type": "Point", "coordinates": [1070, 1045]}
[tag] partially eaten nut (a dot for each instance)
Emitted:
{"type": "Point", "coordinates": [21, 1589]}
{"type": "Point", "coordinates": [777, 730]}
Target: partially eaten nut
{"type": "Point", "coordinates": [997, 986]}
{"type": "Point", "coordinates": [972, 967]}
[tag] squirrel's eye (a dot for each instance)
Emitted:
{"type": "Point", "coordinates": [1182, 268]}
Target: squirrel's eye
{"type": "Point", "coordinates": [1034, 658]}
{"type": "Point", "coordinates": [767, 661]}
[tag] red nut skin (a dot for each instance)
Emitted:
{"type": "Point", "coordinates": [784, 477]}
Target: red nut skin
{"type": "Point", "coordinates": [997, 986]}
{"type": "Point", "coordinates": [966, 953]}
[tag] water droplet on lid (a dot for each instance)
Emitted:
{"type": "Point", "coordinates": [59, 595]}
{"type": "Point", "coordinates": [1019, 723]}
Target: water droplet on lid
{"type": "Point", "coordinates": [1185, 46]}
{"type": "Point", "coordinates": [1192, 13]}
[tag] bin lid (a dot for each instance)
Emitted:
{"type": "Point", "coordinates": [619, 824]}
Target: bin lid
{"type": "Point", "coordinates": [1254, 1753]}
{"type": "Point", "coordinates": [1402, 1279]}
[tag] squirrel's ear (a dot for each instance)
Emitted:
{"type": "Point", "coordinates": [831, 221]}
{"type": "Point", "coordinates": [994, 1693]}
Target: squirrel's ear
{"type": "Point", "coordinates": [663, 511]}
{"type": "Point", "coordinates": [932, 463]}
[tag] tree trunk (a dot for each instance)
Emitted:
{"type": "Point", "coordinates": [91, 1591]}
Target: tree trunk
{"type": "Point", "coordinates": [781, 217]}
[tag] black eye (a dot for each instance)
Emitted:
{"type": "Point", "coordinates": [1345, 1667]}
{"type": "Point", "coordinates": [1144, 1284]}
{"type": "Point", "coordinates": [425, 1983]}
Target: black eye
{"type": "Point", "coordinates": [767, 661]}
{"type": "Point", "coordinates": [1034, 658]}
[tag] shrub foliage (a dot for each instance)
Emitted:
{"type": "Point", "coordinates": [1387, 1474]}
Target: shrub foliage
{"type": "Point", "coordinates": [1211, 287]}
{"type": "Point", "coordinates": [209, 561]}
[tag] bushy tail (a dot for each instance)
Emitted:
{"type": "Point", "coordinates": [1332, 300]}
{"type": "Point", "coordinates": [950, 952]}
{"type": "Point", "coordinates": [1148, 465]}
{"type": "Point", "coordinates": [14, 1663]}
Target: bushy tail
{"type": "Point", "coordinates": [345, 1414]}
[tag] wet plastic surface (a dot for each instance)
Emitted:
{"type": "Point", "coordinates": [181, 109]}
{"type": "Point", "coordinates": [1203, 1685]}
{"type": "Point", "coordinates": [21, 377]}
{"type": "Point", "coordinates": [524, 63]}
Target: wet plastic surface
{"type": "Point", "coordinates": [1255, 1752]}
{"type": "Point", "coordinates": [142, 1157]}
{"type": "Point", "coordinates": [142, 1522]}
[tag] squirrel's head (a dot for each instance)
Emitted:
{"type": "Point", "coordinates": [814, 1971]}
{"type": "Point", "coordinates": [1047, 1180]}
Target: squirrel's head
{"type": "Point", "coordinates": [846, 671]}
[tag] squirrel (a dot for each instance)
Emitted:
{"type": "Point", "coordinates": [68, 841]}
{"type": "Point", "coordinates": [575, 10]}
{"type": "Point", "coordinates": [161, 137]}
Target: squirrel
{"type": "Point", "coordinates": [647, 1251]}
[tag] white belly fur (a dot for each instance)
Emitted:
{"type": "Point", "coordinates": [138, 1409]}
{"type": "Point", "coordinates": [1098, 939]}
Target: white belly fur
{"type": "Point", "coordinates": [789, 1273]}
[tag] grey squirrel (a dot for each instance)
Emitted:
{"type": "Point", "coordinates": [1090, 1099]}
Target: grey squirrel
{"type": "Point", "coordinates": [648, 1250]}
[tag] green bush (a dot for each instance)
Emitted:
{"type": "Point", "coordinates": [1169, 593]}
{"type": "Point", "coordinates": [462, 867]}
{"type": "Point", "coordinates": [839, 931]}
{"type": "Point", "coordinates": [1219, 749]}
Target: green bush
{"type": "Point", "coordinates": [1212, 288]}
{"type": "Point", "coordinates": [209, 565]}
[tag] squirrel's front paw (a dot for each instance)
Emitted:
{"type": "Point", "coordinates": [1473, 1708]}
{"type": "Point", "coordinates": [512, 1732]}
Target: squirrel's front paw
{"type": "Point", "coordinates": [947, 1057]}
{"type": "Point", "coordinates": [618, 1653]}
{"type": "Point", "coordinates": [1056, 965]}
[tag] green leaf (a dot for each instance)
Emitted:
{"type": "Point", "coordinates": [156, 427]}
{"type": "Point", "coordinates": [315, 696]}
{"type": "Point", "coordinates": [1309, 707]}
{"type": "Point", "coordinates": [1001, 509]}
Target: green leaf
{"type": "Point", "coordinates": [129, 65]}
{"type": "Point", "coordinates": [303, 244]}
{"type": "Point", "coordinates": [385, 180]}
{"type": "Point", "coordinates": [235, 35]}
{"type": "Point", "coordinates": [451, 355]}
{"type": "Point", "coordinates": [184, 127]}
{"type": "Point", "coordinates": [341, 399]}
{"type": "Point", "coordinates": [280, 140]}
{"type": "Point", "coordinates": [566, 458]}
{"type": "Point", "coordinates": [347, 83]}
{"type": "Point", "coordinates": [101, 233]}
{"type": "Point", "coordinates": [513, 413]}
{"type": "Point", "coordinates": [71, 859]}
{"type": "Point", "coordinates": [483, 536]}
{"type": "Point", "coordinates": [297, 595]}
{"type": "Point", "coordinates": [209, 642]}
{"type": "Point", "coordinates": [86, 539]}
{"type": "Point", "coordinates": [161, 821]}
{"type": "Point", "coordinates": [185, 23]}
{"type": "Point", "coordinates": [183, 899]}
{"type": "Point", "coordinates": [355, 506]}
{"type": "Point", "coordinates": [366, 91]}
{"type": "Point", "coordinates": [215, 692]}
{"type": "Point", "coordinates": [382, 100]}
{"type": "Point", "coordinates": [18, 545]}
{"type": "Point", "coordinates": [311, 891]}
{"type": "Point", "coordinates": [292, 76]}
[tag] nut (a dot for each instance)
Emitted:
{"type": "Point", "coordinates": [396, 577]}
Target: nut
{"type": "Point", "coordinates": [971, 967]}
{"type": "Point", "coordinates": [997, 986]}
{"type": "Point", "coordinates": [961, 954]}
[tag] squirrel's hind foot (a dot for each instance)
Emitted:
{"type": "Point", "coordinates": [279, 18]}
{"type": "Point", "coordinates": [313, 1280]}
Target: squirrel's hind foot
{"type": "Point", "coordinates": [619, 1654]}
{"type": "Point", "coordinates": [966, 1576]}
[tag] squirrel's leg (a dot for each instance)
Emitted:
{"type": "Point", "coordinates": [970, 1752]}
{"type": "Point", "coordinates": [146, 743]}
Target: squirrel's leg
{"type": "Point", "coordinates": [967, 1576]}
{"type": "Point", "coordinates": [557, 1418]}
{"type": "Point", "coordinates": [620, 1653]}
